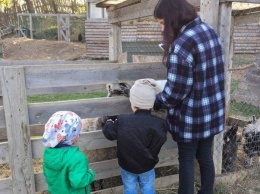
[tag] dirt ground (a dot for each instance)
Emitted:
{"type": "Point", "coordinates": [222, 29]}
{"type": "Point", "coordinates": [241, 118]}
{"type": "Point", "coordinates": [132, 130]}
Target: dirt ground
{"type": "Point", "coordinates": [42, 50]}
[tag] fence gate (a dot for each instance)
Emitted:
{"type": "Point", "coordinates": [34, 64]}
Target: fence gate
{"type": "Point", "coordinates": [63, 27]}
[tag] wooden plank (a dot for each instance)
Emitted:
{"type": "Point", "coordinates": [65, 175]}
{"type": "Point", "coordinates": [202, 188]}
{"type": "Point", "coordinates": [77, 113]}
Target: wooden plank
{"type": "Point", "coordinates": [121, 5]}
{"type": "Point", "coordinates": [246, 38]}
{"type": "Point", "coordinates": [224, 28]}
{"type": "Point", "coordinates": [242, 1]}
{"type": "Point", "coordinates": [114, 42]}
{"type": "Point", "coordinates": [209, 12]}
{"type": "Point", "coordinates": [31, 26]}
{"type": "Point", "coordinates": [246, 19]}
{"type": "Point", "coordinates": [40, 63]}
{"type": "Point", "coordinates": [6, 186]}
{"type": "Point", "coordinates": [110, 168]}
{"type": "Point", "coordinates": [2, 117]}
{"type": "Point", "coordinates": [18, 132]}
{"type": "Point", "coordinates": [64, 76]}
{"type": "Point", "coordinates": [96, 20]}
{"type": "Point", "coordinates": [91, 141]}
{"type": "Point", "coordinates": [143, 9]}
{"type": "Point", "coordinates": [88, 141]}
{"type": "Point", "coordinates": [54, 15]}
{"type": "Point", "coordinates": [159, 184]}
{"type": "Point", "coordinates": [4, 154]}
{"type": "Point", "coordinates": [245, 48]}
{"type": "Point", "coordinates": [246, 52]}
{"type": "Point", "coordinates": [3, 136]}
{"type": "Point", "coordinates": [36, 130]}
{"type": "Point", "coordinates": [39, 113]}
{"type": "Point", "coordinates": [251, 34]}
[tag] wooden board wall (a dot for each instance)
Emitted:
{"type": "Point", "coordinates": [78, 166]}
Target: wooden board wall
{"type": "Point", "coordinates": [246, 37]}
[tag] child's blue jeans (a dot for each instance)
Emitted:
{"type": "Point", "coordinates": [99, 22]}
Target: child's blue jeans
{"type": "Point", "coordinates": [145, 181]}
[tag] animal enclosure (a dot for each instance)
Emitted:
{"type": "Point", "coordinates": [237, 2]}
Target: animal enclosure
{"type": "Point", "coordinates": [17, 116]}
{"type": "Point", "coordinates": [19, 120]}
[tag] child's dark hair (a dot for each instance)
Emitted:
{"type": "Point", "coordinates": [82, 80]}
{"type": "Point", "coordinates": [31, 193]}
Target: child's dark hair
{"type": "Point", "coordinates": [175, 13]}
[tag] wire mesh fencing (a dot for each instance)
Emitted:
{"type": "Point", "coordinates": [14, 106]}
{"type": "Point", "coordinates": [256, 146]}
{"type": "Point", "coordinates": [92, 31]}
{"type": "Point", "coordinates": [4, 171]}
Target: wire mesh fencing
{"type": "Point", "coordinates": [46, 26]}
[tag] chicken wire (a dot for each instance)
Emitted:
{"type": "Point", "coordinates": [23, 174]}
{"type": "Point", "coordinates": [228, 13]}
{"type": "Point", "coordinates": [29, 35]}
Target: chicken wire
{"type": "Point", "coordinates": [46, 27]}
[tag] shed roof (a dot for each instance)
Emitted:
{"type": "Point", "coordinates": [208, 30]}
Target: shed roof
{"type": "Point", "coordinates": [123, 10]}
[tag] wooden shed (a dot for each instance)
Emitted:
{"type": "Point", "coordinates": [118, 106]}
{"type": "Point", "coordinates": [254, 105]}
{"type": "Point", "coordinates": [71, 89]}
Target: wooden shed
{"type": "Point", "coordinates": [142, 38]}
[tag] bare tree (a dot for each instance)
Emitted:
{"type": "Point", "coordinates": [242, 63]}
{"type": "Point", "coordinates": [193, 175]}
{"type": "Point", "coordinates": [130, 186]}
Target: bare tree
{"type": "Point", "coordinates": [30, 7]}
{"type": "Point", "coordinates": [45, 6]}
{"type": "Point", "coordinates": [54, 6]}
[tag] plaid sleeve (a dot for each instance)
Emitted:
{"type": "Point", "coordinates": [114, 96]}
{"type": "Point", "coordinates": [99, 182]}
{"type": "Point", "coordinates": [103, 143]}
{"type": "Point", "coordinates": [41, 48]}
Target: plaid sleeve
{"type": "Point", "coordinates": [179, 81]}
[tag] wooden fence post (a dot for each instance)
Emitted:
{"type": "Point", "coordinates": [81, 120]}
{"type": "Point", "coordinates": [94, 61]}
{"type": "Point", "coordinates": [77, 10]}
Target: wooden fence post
{"type": "Point", "coordinates": [18, 130]}
{"type": "Point", "coordinates": [211, 14]}
{"type": "Point", "coordinates": [115, 42]}
{"type": "Point", "coordinates": [31, 26]}
{"type": "Point", "coordinates": [224, 28]}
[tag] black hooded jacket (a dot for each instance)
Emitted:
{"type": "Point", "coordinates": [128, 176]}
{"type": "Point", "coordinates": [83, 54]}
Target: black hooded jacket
{"type": "Point", "coordinates": [140, 137]}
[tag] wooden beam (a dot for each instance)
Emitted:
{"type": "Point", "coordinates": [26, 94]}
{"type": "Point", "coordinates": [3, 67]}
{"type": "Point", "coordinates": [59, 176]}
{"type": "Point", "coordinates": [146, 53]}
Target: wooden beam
{"type": "Point", "coordinates": [161, 184]}
{"type": "Point", "coordinates": [49, 15]}
{"type": "Point", "coordinates": [242, 12]}
{"type": "Point", "coordinates": [115, 42]}
{"type": "Point", "coordinates": [88, 141]}
{"type": "Point", "coordinates": [62, 76]}
{"type": "Point", "coordinates": [139, 10]}
{"type": "Point", "coordinates": [224, 28]}
{"type": "Point", "coordinates": [6, 186]}
{"type": "Point", "coordinates": [242, 1]}
{"type": "Point", "coordinates": [124, 4]}
{"type": "Point", "coordinates": [90, 77]}
{"type": "Point", "coordinates": [31, 26]}
{"type": "Point", "coordinates": [18, 131]}
{"type": "Point", "coordinates": [40, 112]}
{"type": "Point", "coordinates": [246, 19]}
{"type": "Point", "coordinates": [209, 12]}
{"type": "Point", "coordinates": [172, 179]}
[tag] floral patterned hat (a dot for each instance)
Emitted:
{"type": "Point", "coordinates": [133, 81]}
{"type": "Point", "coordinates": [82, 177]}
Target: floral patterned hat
{"type": "Point", "coordinates": [63, 127]}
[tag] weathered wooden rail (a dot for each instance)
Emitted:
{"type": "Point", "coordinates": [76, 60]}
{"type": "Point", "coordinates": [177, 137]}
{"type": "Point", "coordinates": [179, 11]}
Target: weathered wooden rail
{"type": "Point", "coordinates": [17, 116]}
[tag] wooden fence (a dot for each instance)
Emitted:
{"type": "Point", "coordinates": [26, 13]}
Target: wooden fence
{"type": "Point", "coordinates": [17, 116]}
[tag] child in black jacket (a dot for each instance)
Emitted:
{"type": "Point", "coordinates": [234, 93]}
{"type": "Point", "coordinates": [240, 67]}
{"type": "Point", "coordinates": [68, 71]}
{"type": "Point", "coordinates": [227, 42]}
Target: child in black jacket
{"type": "Point", "coordinates": [140, 137]}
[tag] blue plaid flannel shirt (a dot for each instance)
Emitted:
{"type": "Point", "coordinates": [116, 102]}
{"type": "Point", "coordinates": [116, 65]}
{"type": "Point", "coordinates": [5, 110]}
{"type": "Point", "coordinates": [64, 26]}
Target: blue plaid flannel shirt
{"type": "Point", "coordinates": [194, 93]}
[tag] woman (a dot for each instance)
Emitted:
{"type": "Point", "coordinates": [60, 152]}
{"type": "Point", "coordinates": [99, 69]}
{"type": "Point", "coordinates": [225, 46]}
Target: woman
{"type": "Point", "coordinates": [194, 91]}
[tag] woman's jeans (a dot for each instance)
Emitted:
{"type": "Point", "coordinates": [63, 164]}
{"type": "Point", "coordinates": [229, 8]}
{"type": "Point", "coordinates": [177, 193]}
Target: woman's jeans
{"type": "Point", "coordinates": [145, 180]}
{"type": "Point", "coordinates": [202, 150]}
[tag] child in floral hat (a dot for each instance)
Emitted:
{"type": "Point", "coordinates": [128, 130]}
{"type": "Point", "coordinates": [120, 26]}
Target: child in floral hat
{"type": "Point", "coordinates": [65, 167]}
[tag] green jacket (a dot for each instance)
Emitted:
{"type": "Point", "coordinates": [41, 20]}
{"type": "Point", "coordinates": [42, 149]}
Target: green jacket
{"type": "Point", "coordinates": [66, 171]}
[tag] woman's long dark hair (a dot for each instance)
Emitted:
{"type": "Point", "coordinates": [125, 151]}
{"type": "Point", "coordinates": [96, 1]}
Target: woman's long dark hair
{"type": "Point", "coordinates": [175, 13]}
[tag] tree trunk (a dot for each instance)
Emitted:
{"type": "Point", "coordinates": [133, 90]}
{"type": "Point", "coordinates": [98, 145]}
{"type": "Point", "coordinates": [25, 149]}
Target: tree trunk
{"type": "Point", "coordinates": [15, 8]}
{"type": "Point", "coordinates": [54, 6]}
{"type": "Point", "coordinates": [30, 7]}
